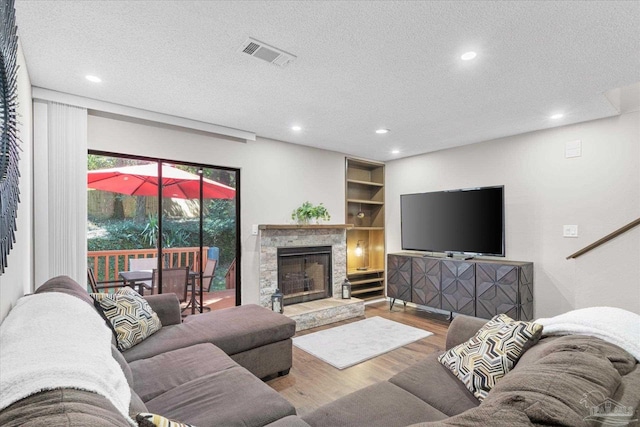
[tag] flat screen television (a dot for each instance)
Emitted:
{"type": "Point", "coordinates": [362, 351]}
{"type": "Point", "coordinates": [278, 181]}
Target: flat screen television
{"type": "Point", "coordinates": [466, 221]}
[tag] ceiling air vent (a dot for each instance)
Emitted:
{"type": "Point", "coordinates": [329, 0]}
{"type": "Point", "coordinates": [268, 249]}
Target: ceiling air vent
{"type": "Point", "coordinates": [267, 53]}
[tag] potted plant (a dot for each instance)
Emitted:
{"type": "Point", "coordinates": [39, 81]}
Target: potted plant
{"type": "Point", "coordinates": [307, 212]}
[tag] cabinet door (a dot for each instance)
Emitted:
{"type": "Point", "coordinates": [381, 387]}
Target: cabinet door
{"type": "Point", "coordinates": [526, 292]}
{"type": "Point", "coordinates": [458, 287]}
{"type": "Point", "coordinates": [425, 282]}
{"type": "Point", "coordinates": [399, 277]}
{"type": "Point", "coordinates": [496, 290]}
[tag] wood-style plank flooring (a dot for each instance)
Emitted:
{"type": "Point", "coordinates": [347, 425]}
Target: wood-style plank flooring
{"type": "Point", "coordinates": [313, 383]}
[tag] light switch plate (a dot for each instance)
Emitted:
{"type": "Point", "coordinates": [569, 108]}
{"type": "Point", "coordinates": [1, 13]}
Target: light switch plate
{"type": "Point", "coordinates": [254, 229]}
{"type": "Point", "coordinates": [570, 231]}
{"type": "Point", "coordinates": [573, 149]}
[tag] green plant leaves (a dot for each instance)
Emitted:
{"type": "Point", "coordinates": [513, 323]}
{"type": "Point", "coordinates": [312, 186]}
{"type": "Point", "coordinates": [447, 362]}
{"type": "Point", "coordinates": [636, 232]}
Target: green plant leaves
{"type": "Point", "coordinates": [308, 211]}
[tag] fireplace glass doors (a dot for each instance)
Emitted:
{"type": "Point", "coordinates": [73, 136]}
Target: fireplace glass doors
{"type": "Point", "coordinates": [304, 273]}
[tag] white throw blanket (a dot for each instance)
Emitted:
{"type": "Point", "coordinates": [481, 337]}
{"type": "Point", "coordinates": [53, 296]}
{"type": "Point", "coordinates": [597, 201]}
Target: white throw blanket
{"type": "Point", "coordinates": [53, 340]}
{"type": "Point", "coordinates": [614, 325]}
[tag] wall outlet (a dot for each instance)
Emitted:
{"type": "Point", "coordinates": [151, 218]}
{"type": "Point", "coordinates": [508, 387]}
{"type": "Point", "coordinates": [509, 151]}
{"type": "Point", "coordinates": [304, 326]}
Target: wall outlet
{"type": "Point", "coordinates": [254, 229]}
{"type": "Point", "coordinates": [570, 231]}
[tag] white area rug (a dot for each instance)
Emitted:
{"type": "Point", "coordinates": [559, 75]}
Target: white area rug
{"type": "Point", "coordinates": [350, 344]}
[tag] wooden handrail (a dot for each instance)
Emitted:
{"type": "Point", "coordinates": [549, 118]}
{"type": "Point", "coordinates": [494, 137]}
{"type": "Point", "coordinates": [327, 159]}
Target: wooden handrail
{"type": "Point", "coordinates": [115, 258]}
{"type": "Point", "coordinates": [605, 239]}
{"type": "Point", "coordinates": [230, 277]}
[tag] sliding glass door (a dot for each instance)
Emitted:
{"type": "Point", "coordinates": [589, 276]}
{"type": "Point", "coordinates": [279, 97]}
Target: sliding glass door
{"type": "Point", "coordinates": [156, 216]}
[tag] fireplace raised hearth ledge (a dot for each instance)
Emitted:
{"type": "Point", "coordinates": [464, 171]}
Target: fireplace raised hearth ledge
{"type": "Point", "coordinates": [322, 312]}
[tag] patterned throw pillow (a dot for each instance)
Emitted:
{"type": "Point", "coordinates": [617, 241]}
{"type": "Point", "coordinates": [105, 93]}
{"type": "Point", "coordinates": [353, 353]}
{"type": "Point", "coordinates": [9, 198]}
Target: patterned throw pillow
{"type": "Point", "coordinates": [480, 362]}
{"type": "Point", "coordinates": [130, 315]}
{"type": "Point", "coordinates": [152, 420]}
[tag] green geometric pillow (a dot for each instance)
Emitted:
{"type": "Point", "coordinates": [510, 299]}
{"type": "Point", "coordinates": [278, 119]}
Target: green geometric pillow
{"type": "Point", "coordinates": [480, 362]}
{"type": "Point", "coordinates": [130, 315]}
{"type": "Point", "coordinates": [152, 420]}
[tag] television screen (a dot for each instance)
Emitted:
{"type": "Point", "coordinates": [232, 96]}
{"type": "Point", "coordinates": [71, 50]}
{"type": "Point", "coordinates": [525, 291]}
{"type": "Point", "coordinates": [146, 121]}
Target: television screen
{"type": "Point", "coordinates": [469, 221]}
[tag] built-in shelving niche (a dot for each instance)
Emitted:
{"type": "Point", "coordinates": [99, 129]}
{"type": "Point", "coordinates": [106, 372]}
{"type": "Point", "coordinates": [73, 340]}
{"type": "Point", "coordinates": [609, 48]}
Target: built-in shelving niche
{"type": "Point", "coordinates": [365, 210]}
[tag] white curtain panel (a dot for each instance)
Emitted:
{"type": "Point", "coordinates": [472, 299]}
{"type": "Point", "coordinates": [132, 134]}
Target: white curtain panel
{"type": "Point", "coordinates": [67, 191]}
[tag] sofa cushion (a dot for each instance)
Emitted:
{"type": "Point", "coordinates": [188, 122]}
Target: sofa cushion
{"type": "Point", "coordinates": [136, 405]}
{"type": "Point", "coordinates": [130, 315]}
{"type": "Point", "coordinates": [233, 330]}
{"type": "Point", "coordinates": [462, 328]}
{"type": "Point", "coordinates": [115, 353]}
{"type": "Point", "coordinates": [572, 375]}
{"type": "Point", "coordinates": [65, 285]}
{"type": "Point", "coordinates": [379, 405]}
{"type": "Point", "coordinates": [166, 371]}
{"type": "Point", "coordinates": [436, 385]}
{"type": "Point", "coordinates": [290, 421]}
{"type": "Point", "coordinates": [62, 407]}
{"type": "Point", "coordinates": [485, 358]}
{"type": "Point", "coordinates": [146, 419]}
{"type": "Point", "coordinates": [484, 415]}
{"type": "Point", "coordinates": [233, 397]}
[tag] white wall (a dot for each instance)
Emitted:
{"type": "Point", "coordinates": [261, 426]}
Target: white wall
{"type": "Point", "coordinates": [276, 177]}
{"type": "Point", "coordinates": [18, 277]}
{"type": "Point", "coordinates": [599, 192]}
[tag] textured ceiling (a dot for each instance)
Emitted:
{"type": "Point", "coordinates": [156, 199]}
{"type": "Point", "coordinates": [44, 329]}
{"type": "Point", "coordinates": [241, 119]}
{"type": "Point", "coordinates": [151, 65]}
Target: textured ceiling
{"type": "Point", "coordinates": [360, 65]}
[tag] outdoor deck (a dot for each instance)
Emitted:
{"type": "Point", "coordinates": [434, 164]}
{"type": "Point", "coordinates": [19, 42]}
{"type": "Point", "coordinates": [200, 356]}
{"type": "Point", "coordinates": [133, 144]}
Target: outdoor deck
{"type": "Point", "coordinates": [108, 264]}
{"type": "Point", "coordinates": [216, 300]}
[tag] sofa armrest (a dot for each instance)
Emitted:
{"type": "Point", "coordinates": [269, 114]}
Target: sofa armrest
{"type": "Point", "coordinates": [462, 328]}
{"type": "Point", "coordinates": [167, 307]}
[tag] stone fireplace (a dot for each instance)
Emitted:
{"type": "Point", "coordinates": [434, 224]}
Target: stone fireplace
{"type": "Point", "coordinates": [303, 244]}
{"type": "Point", "coordinates": [275, 237]}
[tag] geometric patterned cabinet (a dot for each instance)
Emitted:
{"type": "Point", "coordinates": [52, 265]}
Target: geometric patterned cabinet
{"type": "Point", "coordinates": [425, 282]}
{"type": "Point", "coordinates": [458, 286]}
{"type": "Point", "coordinates": [481, 288]}
{"type": "Point", "coordinates": [399, 278]}
{"type": "Point", "coordinates": [504, 288]}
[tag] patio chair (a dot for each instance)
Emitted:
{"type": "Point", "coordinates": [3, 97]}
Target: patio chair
{"type": "Point", "coordinates": [174, 280]}
{"type": "Point", "coordinates": [141, 264]}
{"type": "Point", "coordinates": [213, 255]}
{"type": "Point", "coordinates": [97, 287]}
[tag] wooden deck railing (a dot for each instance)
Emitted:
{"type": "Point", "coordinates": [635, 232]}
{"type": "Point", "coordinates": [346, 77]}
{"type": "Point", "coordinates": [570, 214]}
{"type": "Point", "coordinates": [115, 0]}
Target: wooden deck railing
{"type": "Point", "coordinates": [230, 277]}
{"type": "Point", "coordinates": [107, 265]}
{"type": "Point", "coordinates": [605, 239]}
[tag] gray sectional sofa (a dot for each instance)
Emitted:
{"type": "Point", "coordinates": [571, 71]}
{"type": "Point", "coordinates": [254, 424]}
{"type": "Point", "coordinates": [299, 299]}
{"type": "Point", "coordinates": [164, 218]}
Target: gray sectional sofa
{"type": "Point", "coordinates": [204, 371]}
{"type": "Point", "coordinates": [560, 381]}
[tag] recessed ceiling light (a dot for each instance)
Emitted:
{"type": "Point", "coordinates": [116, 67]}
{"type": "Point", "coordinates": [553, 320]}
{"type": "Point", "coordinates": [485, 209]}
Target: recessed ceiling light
{"type": "Point", "coordinates": [557, 116]}
{"type": "Point", "coordinates": [468, 56]}
{"type": "Point", "coordinates": [296, 128]}
{"type": "Point", "coordinates": [93, 79]}
{"type": "Point", "coordinates": [395, 151]}
{"type": "Point", "coordinates": [382, 131]}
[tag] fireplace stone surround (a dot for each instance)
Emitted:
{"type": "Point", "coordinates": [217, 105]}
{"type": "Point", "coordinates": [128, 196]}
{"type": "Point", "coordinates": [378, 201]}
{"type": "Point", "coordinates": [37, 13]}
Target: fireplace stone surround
{"type": "Point", "coordinates": [323, 311]}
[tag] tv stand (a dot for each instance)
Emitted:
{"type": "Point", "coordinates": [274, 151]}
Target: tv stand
{"type": "Point", "coordinates": [475, 287]}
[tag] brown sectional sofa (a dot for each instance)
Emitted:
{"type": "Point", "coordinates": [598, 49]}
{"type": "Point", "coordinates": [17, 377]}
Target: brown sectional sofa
{"type": "Point", "coordinates": [204, 371]}
{"type": "Point", "coordinates": [557, 382]}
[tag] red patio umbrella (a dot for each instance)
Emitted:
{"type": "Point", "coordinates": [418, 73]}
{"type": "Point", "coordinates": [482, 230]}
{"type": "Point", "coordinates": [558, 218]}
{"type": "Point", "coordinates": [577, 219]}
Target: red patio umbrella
{"type": "Point", "coordinates": [142, 180]}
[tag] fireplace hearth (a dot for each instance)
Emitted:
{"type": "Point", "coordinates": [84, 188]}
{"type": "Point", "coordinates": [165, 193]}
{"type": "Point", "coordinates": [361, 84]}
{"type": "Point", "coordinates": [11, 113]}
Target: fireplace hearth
{"type": "Point", "coordinates": [304, 273]}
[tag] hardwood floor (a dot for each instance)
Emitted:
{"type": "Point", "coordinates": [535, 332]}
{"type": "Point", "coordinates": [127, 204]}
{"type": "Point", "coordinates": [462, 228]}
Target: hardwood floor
{"type": "Point", "coordinates": [313, 383]}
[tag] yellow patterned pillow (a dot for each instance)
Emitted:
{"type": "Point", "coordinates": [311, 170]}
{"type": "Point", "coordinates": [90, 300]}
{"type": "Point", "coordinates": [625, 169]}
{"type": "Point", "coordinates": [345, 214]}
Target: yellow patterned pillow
{"type": "Point", "coordinates": [480, 362]}
{"type": "Point", "coordinates": [130, 315]}
{"type": "Point", "coordinates": [152, 420]}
